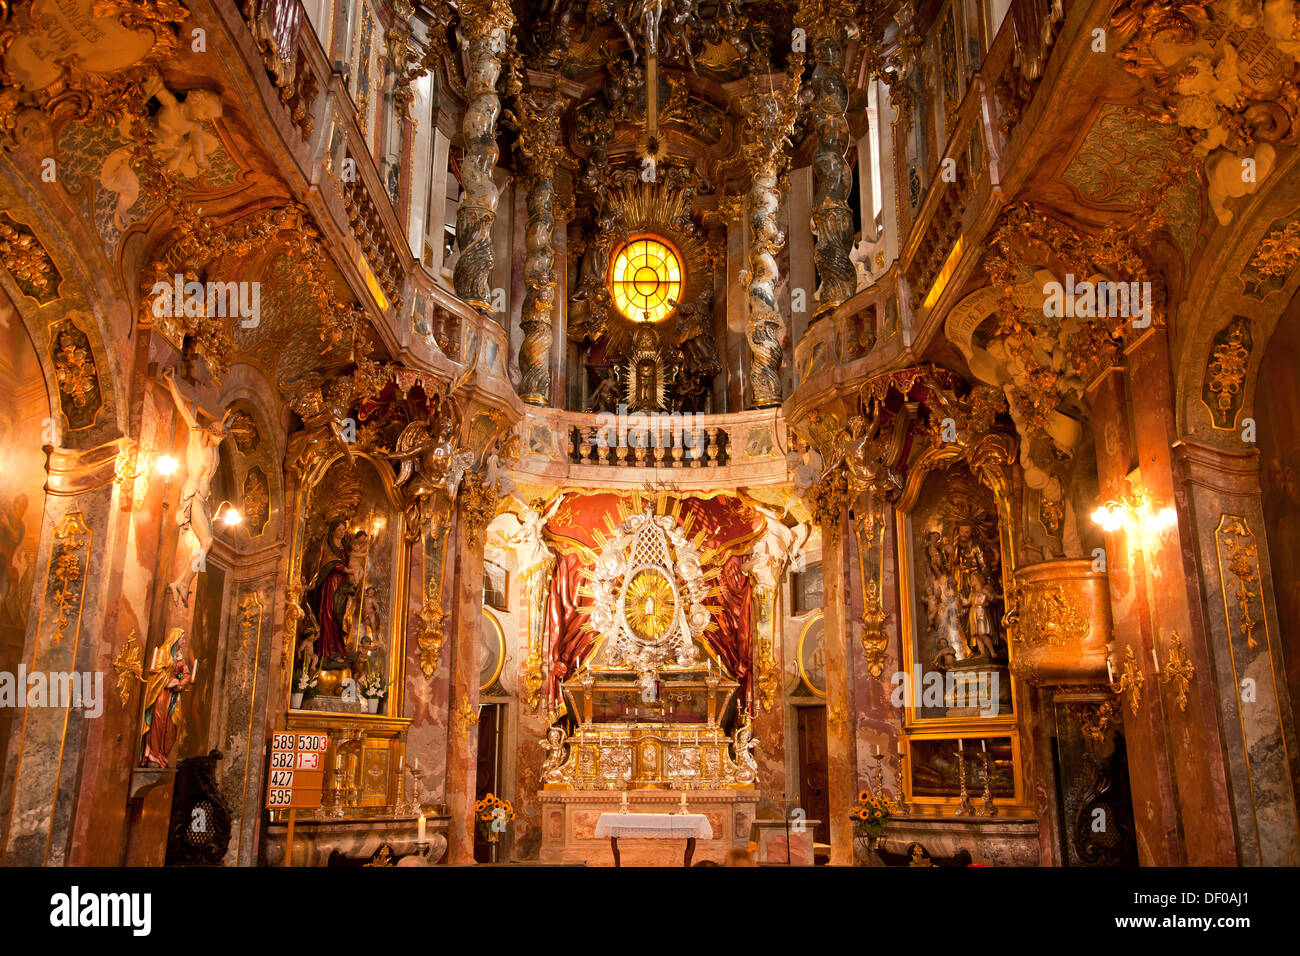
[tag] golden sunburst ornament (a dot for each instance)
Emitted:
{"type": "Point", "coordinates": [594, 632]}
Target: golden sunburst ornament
{"type": "Point", "coordinates": [649, 604]}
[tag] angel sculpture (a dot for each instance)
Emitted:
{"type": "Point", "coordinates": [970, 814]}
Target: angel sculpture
{"type": "Point", "coordinates": [323, 406]}
{"type": "Point", "coordinates": [744, 744]}
{"type": "Point", "coordinates": [524, 533]}
{"type": "Point", "coordinates": [779, 545]}
{"type": "Point", "coordinates": [435, 463]}
{"type": "Point", "coordinates": [555, 746]}
{"type": "Point", "coordinates": [869, 455]}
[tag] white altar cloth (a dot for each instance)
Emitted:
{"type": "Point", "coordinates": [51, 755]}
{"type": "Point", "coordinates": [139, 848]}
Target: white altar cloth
{"type": "Point", "coordinates": [654, 826]}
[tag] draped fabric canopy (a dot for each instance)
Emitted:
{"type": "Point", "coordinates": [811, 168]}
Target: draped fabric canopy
{"type": "Point", "coordinates": [729, 528]}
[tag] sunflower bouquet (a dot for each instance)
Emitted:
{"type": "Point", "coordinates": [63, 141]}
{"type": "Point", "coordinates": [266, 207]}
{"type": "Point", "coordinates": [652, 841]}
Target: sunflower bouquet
{"type": "Point", "coordinates": [869, 814]}
{"type": "Point", "coordinates": [493, 814]}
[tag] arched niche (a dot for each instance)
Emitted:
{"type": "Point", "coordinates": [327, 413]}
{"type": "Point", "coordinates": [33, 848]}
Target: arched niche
{"type": "Point", "coordinates": [350, 572]}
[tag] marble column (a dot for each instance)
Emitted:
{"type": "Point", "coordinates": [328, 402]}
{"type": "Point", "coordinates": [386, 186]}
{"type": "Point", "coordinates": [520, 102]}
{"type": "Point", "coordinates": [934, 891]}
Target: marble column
{"type": "Point", "coordinates": [769, 119]}
{"type": "Point", "coordinates": [832, 220]}
{"type": "Point", "coordinates": [486, 24]}
{"type": "Point", "coordinates": [66, 635]}
{"type": "Point", "coordinates": [1193, 731]}
{"type": "Point", "coordinates": [539, 142]}
{"type": "Point", "coordinates": [1225, 516]}
{"type": "Point", "coordinates": [841, 759]}
{"type": "Point", "coordinates": [1151, 777]}
{"type": "Point", "coordinates": [769, 699]}
{"type": "Point", "coordinates": [803, 274]}
{"type": "Point", "coordinates": [474, 510]}
{"type": "Point", "coordinates": [1175, 746]}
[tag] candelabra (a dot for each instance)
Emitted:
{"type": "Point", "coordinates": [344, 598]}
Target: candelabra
{"type": "Point", "coordinates": [880, 775]}
{"type": "Point", "coordinates": [901, 802]}
{"type": "Point", "coordinates": [986, 807]}
{"type": "Point", "coordinates": [417, 798]}
{"type": "Point", "coordinates": [964, 808]}
{"type": "Point", "coordinates": [404, 807]}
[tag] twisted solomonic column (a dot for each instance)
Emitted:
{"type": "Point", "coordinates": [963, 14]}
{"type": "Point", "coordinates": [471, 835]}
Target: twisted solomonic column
{"type": "Point", "coordinates": [539, 142]}
{"type": "Point", "coordinates": [486, 24]}
{"type": "Point", "coordinates": [832, 221]}
{"type": "Point", "coordinates": [769, 119]}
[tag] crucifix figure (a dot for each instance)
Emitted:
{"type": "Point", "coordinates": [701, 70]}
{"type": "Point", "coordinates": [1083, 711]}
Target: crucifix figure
{"type": "Point", "coordinates": [202, 454]}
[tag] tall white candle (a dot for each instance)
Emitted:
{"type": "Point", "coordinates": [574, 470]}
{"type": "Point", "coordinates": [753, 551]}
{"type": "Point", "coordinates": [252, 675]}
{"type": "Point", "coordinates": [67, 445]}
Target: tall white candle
{"type": "Point", "coordinates": [421, 829]}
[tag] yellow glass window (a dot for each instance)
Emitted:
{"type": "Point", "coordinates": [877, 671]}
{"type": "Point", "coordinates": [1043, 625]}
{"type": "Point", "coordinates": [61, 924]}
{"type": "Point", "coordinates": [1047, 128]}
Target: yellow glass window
{"type": "Point", "coordinates": [647, 280]}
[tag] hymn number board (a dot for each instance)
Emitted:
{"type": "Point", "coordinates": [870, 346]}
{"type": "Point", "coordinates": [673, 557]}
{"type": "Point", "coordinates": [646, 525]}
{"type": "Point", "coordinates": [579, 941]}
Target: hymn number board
{"type": "Point", "coordinates": [297, 771]}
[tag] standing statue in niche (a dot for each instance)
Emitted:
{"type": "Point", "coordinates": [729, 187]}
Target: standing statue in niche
{"type": "Point", "coordinates": [202, 455]}
{"type": "Point", "coordinates": [607, 393]}
{"type": "Point", "coordinates": [329, 595]}
{"type": "Point", "coordinates": [979, 618]}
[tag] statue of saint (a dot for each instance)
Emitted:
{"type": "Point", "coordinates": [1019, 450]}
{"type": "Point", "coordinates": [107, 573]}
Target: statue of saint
{"type": "Point", "coordinates": [329, 594]}
{"type": "Point", "coordinates": [202, 454]}
{"type": "Point", "coordinates": [979, 618]}
{"type": "Point", "coordinates": [169, 677]}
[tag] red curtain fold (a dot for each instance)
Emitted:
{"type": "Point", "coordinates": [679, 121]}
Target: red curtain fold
{"type": "Point", "coordinates": [732, 640]}
{"type": "Point", "coordinates": [564, 625]}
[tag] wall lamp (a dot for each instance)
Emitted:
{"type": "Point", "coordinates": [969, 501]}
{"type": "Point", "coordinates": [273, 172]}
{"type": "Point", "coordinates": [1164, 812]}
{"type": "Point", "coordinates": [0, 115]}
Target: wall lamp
{"type": "Point", "coordinates": [1133, 509]}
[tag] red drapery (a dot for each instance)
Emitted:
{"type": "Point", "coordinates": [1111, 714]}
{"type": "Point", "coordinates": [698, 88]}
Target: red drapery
{"type": "Point", "coordinates": [729, 526]}
{"type": "Point", "coordinates": [732, 640]}
{"type": "Point", "coordinates": [570, 641]}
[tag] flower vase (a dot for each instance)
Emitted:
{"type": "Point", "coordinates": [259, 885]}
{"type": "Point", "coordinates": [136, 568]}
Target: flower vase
{"type": "Point", "coordinates": [372, 705]}
{"type": "Point", "coordinates": [494, 841]}
{"type": "Point", "coordinates": [295, 700]}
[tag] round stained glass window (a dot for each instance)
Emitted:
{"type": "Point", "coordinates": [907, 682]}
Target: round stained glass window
{"type": "Point", "coordinates": [647, 280]}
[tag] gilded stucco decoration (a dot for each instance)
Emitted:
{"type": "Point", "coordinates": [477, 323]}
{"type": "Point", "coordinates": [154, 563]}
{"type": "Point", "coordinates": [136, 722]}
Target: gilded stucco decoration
{"type": "Point", "coordinates": [1223, 388]}
{"type": "Point", "coordinates": [66, 574]}
{"type": "Point", "coordinates": [1238, 553]}
{"type": "Point", "coordinates": [1178, 670]}
{"type": "Point", "coordinates": [1220, 73]}
{"type": "Point", "coordinates": [97, 73]}
{"type": "Point", "coordinates": [75, 371]}
{"type": "Point", "coordinates": [128, 666]}
{"type": "Point", "coordinates": [27, 262]}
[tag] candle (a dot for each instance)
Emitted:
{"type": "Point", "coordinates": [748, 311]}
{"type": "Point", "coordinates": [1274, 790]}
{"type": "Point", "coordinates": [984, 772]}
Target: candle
{"type": "Point", "coordinates": [1155, 658]}
{"type": "Point", "coordinates": [415, 765]}
{"type": "Point", "coordinates": [984, 746]}
{"type": "Point", "coordinates": [877, 750]}
{"type": "Point", "coordinates": [900, 748]}
{"type": "Point", "coordinates": [683, 801]}
{"type": "Point", "coordinates": [961, 744]}
{"type": "Point", "coordinates": [421, 829]}
{"type": "Point", "coordinates": [1110, 673]}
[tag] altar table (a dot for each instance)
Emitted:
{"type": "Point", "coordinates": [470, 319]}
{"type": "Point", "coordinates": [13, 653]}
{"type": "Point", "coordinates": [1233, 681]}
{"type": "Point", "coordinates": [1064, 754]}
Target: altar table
{"type": "Point", "coordinates": [654, 826]}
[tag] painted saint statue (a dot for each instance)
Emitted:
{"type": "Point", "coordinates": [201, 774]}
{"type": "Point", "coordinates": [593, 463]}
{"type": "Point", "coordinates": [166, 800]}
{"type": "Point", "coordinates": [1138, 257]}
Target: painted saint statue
{"type": "Point", "coordinates": [330, 593]}
{"type": "Point", "coordinates": [171, 675]}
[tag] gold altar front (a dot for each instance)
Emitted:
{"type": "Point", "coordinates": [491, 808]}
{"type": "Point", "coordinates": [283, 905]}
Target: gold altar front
{"type": "Point", "coordinates": [655, 745]}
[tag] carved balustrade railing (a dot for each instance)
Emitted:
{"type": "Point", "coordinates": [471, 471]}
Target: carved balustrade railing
{"type": "Point", "coordinates": [626, 445]}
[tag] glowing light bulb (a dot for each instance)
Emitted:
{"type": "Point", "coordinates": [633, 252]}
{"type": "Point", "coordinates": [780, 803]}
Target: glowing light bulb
{"type": "Point", "coordinates": [1110, 519]}
{"type": "Point", "coordinates": [166, 465]}
{"type": "Point", "coordinates": [232, 517]}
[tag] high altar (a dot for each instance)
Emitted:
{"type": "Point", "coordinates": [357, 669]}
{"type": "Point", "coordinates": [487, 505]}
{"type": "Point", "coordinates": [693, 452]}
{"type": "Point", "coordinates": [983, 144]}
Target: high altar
{"type": "Point", "coordinates": [652, 722]}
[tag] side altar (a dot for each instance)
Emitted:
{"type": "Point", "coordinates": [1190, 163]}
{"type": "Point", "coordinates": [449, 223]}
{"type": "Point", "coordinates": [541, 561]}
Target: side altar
{"type": "Point", "coordinates": [652, 722]}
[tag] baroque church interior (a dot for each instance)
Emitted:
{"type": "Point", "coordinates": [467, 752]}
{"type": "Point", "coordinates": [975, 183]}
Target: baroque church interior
{"type": "Point", "coordinates": [649, 432]}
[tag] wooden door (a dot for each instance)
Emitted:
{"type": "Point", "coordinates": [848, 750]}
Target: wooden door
{"type": "Point", "coordinates": [488, 778]}
{"type": "Point", "coordinates": [814, 797]}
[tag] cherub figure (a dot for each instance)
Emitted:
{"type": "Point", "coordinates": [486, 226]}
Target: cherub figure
{"type": "Point", "coordinates": [555, 746]}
